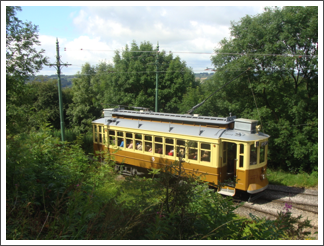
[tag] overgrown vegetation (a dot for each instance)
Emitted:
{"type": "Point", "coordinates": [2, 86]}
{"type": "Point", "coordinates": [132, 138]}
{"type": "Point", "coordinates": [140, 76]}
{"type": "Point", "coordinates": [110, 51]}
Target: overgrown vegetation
{"type": "Point", "coordinates": [54, 191]}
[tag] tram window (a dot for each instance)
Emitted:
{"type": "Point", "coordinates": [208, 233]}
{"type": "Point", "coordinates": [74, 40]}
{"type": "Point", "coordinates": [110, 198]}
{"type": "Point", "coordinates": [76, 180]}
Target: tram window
{"type": "Point", "coordinates": [129, 140]}
{"type": "Point", "coordinates": [169, 150]}
{"type": "Point", "coordinates": [241, 160]}
{"type": "Point", "coordinates": [148, 143]}
{"type": "Point", "coordinates": [181, 142]}
{"type": "Point", "coordinates": [180, 147]}
{"type": "Point", "coordinates": [241, 148]}
{"type": "Point", "coordinates": [205, 146]}
{"type": "Point", "coordinates": [139, 145]}
{"type": "Point", "coordinates": [158, 139]}
{"type": "Point", "coordinates": [95, 128]}
{"type": "Point", "coordinates": [100, 134]}
{"type": "Point", "coordinates": [159, 149]}
{"type": "Point", "coordinates": [193, 150]}
{"type": "Point", "coordinates": [205, 155]}
{"type": "Point", "coordinates": [262, 154]}
{"type": "Point", "coordinates": [120, 139]}
{"type": "Point", "coordinates": [149, 138]}
{"type": "Point", "coordinates": [169, 140]}
{"type": "Point", "coordinates": [193, 154]}
{"type": "Point", "coordinates": [138, 136]}
{"type": "Point", "coordinates": [253, 155]}
{"type": "Point", "coordinates": [112, 137]}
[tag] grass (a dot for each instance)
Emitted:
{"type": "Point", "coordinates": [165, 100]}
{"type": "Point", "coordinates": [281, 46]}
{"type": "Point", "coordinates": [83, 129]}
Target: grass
{"type": "Point", "coordinates": [305, 180]}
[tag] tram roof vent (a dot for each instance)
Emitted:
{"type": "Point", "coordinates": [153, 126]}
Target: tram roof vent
{"type": "Point", "coordinates": [245, 125]}
{"type": "Point", "coordinates": [108, 112]}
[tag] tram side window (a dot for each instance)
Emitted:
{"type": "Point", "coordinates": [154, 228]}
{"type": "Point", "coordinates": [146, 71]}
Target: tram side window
{"type": "Point", "coordinates": [205, 152]}
{"type": "Point", "coordinates": [148, 143]}
{"type": "Point", "coordinates": [253, 155]}
{"type": "Point", "coordinates": [169, 148]}
{"type": "Point", "coordinates": [120, 139]}
{"type": "Point", "coordinates": [193, 150]}
{"type": "Point", "coordinates": [100, 134]}
{"type": "Point", "coordinates": [112, 137]}
{"type": "Point", "coordinates": [95, 133]}
{"type": "Point", "coordinates": [241, 155]}
{"type": "Point", "coordinates": [180, 147]}
{"type": "Point", "coordinates": [158, 145]}
{"type": "Point", "coordinates": [129, 140]}
{"type": "Point", "coordinates": [138, 141]}
{"type": "Point", "coordinates": [262, 154]}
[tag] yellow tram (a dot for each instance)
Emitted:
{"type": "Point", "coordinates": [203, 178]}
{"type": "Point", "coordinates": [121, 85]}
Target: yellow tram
{"type": "Point", "coordinates": [221, 148]}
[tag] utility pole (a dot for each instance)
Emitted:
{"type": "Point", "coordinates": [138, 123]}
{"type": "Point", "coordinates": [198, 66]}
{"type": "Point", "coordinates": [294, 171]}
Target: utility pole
{"type": "Point", "coordinates": [157, 79]}
{"type": "Point", "coordinates": [58, 65]}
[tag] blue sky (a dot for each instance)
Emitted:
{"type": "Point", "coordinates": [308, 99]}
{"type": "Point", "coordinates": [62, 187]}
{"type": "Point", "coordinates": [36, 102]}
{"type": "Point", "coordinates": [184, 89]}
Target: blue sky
{"type": "Point", "coordinates": [54, 21]}
{"type": "Point", "coordinates": [191, 30]}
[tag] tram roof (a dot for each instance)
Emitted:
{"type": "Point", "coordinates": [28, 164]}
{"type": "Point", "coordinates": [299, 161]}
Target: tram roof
{"type": "Point", "coordinates": [190, 130]}
{"type": "Point", "coordinates": [171, 117]}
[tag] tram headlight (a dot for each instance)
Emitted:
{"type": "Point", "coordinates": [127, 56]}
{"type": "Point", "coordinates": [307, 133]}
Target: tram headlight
{"type": "Point", "coordinates": [263, 176]}
{"type": "Point", "coordinates": [263, 169]}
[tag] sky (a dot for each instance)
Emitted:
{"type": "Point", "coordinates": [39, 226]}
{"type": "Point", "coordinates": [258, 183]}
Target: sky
{"type": "Point", "coordinates": [190, 30]}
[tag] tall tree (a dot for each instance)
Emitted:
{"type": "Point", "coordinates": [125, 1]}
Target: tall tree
{"type": "Point", "coordinates": [83, 108]}
{"type": "Point", "coordinates": [133, 78]}
{"type": "Point", "coordinates": [44, 97]}
{"type": "Point", "coordinates": [22, 60]}
{"type": "Point", "coordinates": [281, 87]}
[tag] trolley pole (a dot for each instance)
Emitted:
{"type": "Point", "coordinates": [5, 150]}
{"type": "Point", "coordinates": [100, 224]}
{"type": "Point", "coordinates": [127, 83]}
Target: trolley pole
{"type": "Point", "coordinates": [157, 79]}
{"type": "Point", "coordinates": [58, 65]}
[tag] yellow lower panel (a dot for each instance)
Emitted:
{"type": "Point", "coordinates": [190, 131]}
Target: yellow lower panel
{"type": "Point", "coordinates": [208, 174]}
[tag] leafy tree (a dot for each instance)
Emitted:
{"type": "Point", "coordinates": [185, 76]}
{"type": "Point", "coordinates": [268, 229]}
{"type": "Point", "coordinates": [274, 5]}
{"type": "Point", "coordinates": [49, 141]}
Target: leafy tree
{"type": "Point", "coordinates": [133, 79]}
{"type": "Point", "coordinates": [45, 104]}
{"type": "Point", "coordinates": [83, 110]}
{"type": "Point", "coordinates": [22, 60]}
{"type": "Point", "coordinates": [281, 87]}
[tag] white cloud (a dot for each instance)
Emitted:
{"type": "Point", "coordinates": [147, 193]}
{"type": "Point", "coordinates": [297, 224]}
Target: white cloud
{"type": "Point", "coordinates": [177, 29]}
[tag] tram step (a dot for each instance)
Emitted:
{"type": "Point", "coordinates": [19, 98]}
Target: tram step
{"type": "Point", "coordinates": [227, 191]}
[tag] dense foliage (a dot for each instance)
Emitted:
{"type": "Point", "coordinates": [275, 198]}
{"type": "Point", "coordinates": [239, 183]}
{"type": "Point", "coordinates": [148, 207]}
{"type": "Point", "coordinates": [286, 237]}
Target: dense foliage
{"type": "Point", "coordinates": [54, 191]}
{"type": "Point", "coordinates": [132, 79]}
{"type": "Point", "coordinates": [280, 89]}
{"type": "Point", "coordinates": [22, 60]}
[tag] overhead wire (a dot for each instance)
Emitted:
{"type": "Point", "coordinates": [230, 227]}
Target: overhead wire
{"type": "Point", "coordinates": [197, 52]}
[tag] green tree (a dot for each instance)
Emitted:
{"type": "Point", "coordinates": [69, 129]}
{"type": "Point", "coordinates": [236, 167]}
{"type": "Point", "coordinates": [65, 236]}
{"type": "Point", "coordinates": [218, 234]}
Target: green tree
{"type": "Point", "coordinates": [133, 79]}
{"type": "Point", "coordinates": [22, 60]}
{"type": "Point", "coordinates": [83, 110]}
{"type": "Point", "coordinates": [281, 87]}
{"type": "Point", "coordinates": [45, 103]}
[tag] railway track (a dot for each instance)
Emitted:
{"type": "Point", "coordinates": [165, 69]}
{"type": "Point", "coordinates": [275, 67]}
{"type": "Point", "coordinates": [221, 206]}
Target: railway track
{"type": "Point", "coordinates": [276, 198]}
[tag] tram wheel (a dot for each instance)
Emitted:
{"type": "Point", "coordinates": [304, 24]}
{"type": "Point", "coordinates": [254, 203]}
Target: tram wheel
{"type": "Point", "coordinates": [134, 171]}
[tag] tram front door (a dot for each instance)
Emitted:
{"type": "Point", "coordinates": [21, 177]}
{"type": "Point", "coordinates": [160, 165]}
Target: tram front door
{"type": "Point", "coordinates": [229, 164]}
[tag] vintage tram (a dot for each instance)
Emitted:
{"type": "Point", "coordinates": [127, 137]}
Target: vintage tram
{"type": "Point", "coordinates": [225, 150]}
